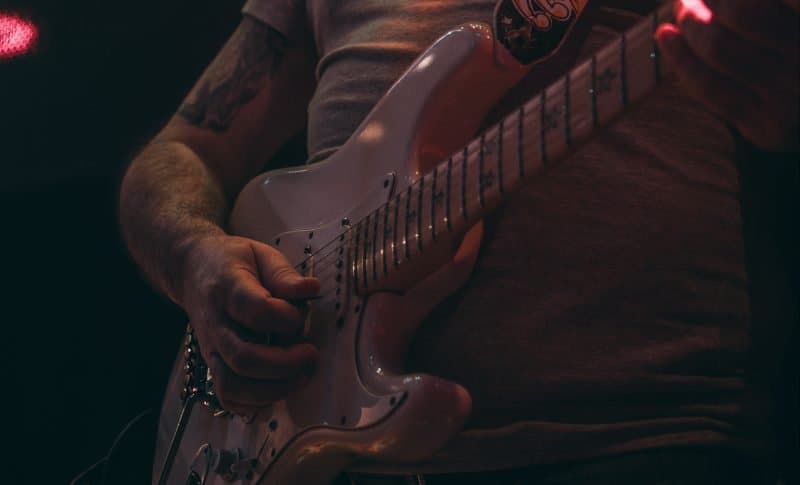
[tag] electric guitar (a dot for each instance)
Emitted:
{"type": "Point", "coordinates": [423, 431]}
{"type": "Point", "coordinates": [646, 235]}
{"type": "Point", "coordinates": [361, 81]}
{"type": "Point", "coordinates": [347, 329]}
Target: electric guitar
{"type": "Point", "coordinates": [391, 225]}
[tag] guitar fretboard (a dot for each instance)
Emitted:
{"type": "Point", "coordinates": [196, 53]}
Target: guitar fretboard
{"type": "Point", "coordinates": [465, 187]}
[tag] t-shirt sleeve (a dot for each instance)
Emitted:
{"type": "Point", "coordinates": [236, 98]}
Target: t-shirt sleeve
{"type": "Point", "coordinates": [285, 16]}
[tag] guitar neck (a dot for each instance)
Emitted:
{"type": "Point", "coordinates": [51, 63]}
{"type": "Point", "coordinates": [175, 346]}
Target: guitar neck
{"type": "Point", "coordinates": [460, 191]}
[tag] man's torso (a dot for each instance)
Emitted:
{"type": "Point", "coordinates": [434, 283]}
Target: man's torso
{"type": "Point", "coordinates": [608, 310]}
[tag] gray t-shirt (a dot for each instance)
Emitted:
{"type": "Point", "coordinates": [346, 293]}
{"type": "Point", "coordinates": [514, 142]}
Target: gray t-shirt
{"type": "Point", "coordinates": [608, 310]}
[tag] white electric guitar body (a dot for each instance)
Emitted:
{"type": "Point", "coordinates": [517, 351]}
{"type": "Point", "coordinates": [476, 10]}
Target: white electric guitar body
{"type": "Point", "coordinates": [390, 224]}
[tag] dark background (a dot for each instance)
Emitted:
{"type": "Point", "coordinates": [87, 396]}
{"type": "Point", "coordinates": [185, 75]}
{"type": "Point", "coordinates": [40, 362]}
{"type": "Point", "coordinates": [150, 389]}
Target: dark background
{"type": "Point", "coordinates": [86, 345]}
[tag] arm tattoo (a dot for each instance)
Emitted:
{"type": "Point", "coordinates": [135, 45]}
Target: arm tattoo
{"type": "Point", "coordinates": [235, 77]}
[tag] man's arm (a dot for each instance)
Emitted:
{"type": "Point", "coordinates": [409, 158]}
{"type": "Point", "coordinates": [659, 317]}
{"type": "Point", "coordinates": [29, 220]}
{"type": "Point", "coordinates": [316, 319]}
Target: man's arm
{"type": "Point", "coordinates": [176, 195]}
{"type": "Point", "coordinates": [252, 55]}
{"type": "Point", "coordinates": [249, 101]}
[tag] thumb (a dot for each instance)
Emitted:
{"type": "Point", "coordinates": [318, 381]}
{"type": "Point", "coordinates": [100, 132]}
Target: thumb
{"type": "Point", "coordinates": [279, 276]}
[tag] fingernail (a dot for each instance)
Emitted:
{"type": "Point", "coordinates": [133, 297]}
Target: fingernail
{"type": "Point", "coordinates": [668, 30]}
{"type": "Point", "coordinates": [667, 34]}
{"type": "Point", "coordinates": [294, 279]}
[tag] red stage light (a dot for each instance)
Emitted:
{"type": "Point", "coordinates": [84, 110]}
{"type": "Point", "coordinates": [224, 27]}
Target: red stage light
{"type": "Point", "coordinates": [17, 36]}
{"type": "Point", "coordinates": [696, 8]}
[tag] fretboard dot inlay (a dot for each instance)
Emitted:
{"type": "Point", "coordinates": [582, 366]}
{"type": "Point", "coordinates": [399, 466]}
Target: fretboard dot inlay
{"type": "Point", "coordinates": [521, 144]}
{"type": "Point", "coordinates": [487, 180]}
{"type": "Point", "coordinates": [550, 121]}
{"type": "Point", "coordinates": [605, 81]}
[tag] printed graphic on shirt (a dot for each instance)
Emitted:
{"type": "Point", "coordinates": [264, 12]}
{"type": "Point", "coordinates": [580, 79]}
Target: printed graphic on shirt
{"type": "Point", "coordinates": [533, 29]}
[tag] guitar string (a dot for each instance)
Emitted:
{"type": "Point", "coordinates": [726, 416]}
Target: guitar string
{"type": "Point", "coordinates": [320, 259]}
{"type": "Point", "coordinates": [318, 256]}
{"type": "Point", "coordinates": [472, 192]}
{"type": "Point", "coordinates": [349, 234]}
{"type": "Point", "coordinates": [334, 279]}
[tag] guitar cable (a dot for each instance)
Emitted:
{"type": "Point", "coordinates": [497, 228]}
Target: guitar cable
{"type": "Point", "coordinates": [105, 459]}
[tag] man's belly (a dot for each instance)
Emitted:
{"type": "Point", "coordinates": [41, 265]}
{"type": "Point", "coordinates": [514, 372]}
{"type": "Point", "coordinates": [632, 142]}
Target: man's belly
{"type": "Point", "coordinates": [613, 281]}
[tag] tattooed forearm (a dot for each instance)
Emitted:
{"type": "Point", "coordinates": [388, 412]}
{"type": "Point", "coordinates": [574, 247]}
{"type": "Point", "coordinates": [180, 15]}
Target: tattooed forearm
{"type": "Point", "coordinates": [235, 76]}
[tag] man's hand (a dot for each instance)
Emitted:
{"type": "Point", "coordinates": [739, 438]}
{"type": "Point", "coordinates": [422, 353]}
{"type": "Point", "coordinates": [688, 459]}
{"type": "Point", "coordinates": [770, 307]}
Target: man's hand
{"type": "Point", "coordinates": [175, 198]}
{"type": "Point", "coordinates": [237, 291]}
{"type": "Point", "coordinates": [739, 58]}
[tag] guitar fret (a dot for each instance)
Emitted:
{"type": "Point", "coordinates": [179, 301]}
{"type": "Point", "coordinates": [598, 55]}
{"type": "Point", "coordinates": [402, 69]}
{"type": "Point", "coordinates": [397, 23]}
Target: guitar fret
{"type": "Point", "coordinates": [542, 132]}
{"type": "Point", "coordinates": [623, 69]}
{"type": "Point", "coordinates": [480, 170]}
{"type": "Point", "coordinates": [510, 166]}
{"type": "Point", "coordinates": [406, 243]}
{"type": "Point", "coordinates": [616, 76]}
{"type": "Point", "coordinates": [365, 254]}
{"type": "Point", "coordinates": [464, 183]}
{"type": "Point", "coordinates": [431, 198]}
{"type": "Point", "coordinates": [419, 213]}
{"type": "Point", "coordinates": [567, 118]}
{"type": "Point", "coordinates": [520, 121]}
{"type": "Point", "coordinates": [554, 141]}
{"type": "Point", "coordinates": [449, 192]}
{"type": "Point", "coordinates": [532, 149]}
{"type": "Point", "coordinates": [365, 250]}
{"type": "Point", "coordinates": [638, 52]}
{"type": "Point", "coordinates": [608, 87]}
{"type": "Point", "coordinates": [593, 90]}
{"type": "Point", "coordinates": [395, 232]}
{"type": "Point", "coordinates": [385, 233]}
{"type": "Point", "coordinates": [654, 54]}
{"type": "Point", "coordinates": [434, 200]}
{"type": "Point", "coordinates": [375, 246]}
{"type": "Point", "coordinates": [356, 245]}
{"type": "Point", "coordinates": [580, 108]}
{"type": "Point", "coordinates": [500, 181]}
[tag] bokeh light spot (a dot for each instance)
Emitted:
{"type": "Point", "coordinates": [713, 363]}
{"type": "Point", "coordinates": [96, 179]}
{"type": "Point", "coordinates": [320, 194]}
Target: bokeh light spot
{"type": "Point", "coordinates": [17, 36]}
{"type": "Point", "coordinates": [697, 8]}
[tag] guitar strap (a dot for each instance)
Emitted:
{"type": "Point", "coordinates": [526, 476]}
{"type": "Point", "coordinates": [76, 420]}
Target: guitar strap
{"type": "Point", "coordinates": [532, 30]}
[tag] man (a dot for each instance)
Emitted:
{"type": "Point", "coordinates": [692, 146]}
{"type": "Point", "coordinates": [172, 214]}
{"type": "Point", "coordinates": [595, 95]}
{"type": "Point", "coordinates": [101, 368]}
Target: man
{"type": "Point", "coordinates": [611, 349]}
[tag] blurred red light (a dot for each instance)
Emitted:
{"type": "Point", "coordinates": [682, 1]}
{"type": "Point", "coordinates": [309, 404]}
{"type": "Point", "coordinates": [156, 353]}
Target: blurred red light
{"type": "Point", "coordinates": [696, 8]}
{"type": "Point", "coordinates": [17, 36]}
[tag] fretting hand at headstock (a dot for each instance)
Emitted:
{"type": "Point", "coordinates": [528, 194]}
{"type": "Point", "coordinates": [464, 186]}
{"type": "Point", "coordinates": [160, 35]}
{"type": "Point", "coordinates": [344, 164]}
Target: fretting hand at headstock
{"type": "Point", "coordinates": [740, 59]}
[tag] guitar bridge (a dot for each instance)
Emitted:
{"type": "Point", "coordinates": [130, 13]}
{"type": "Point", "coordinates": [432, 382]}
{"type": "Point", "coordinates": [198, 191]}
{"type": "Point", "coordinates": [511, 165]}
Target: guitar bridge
{"type": "Point", "coordinates": [198, 384]}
